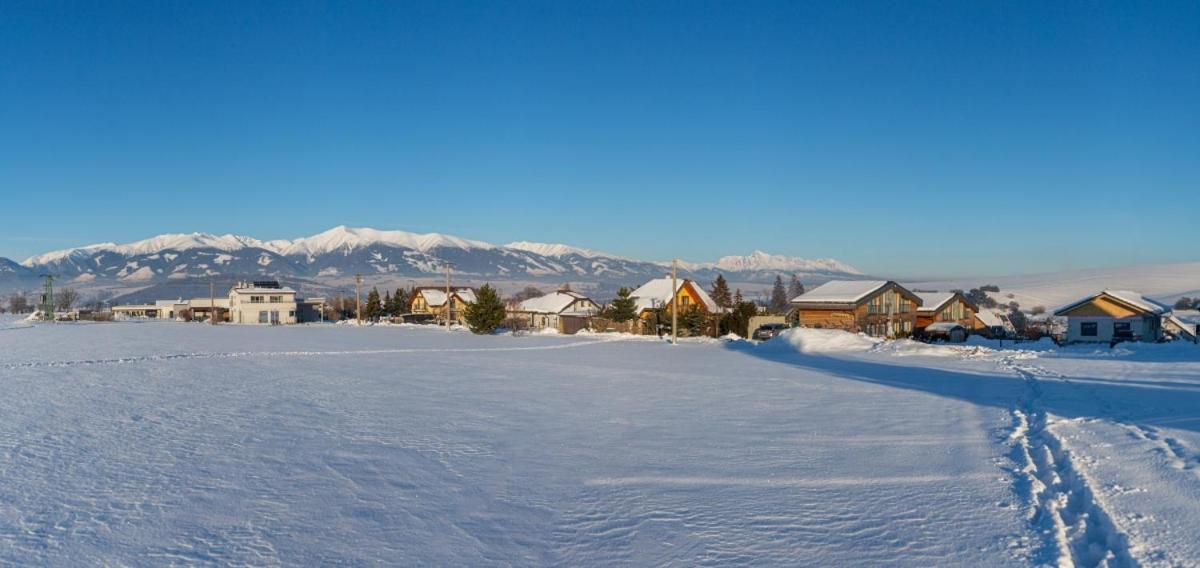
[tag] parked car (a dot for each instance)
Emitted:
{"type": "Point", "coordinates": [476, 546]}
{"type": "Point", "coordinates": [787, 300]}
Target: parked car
{"type": "Point", "coordinates": [769, 330]}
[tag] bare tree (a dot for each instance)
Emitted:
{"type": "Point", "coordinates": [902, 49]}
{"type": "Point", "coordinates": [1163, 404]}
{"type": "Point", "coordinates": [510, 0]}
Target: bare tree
{"type": "Point", "coordinates": [65, 299]}
{"type": "Point", "coordinates": [527, 293]}
{"type": "Point", "coordinates": [18, 303]}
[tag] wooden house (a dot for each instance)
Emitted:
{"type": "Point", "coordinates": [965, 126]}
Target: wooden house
{"type": "Point", "coordinates": [1113, 316]}
{"type": "Point", "coordinates": [945, 307]}
{"type": "Point", "coordinates": [430, 302]}
{"type": "Point", "coordinates": [657, 293]}
{"type": "Point", "coordinates": [875, 307]}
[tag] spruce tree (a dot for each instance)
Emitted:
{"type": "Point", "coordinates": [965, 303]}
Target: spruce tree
{"type": "Point", "coordinates": [400, 299]}
{"type": "Point", "coordinates": [779, 298]}
{"type": "Point", "coordinates": [487, 313]}
{"type": "Point", "coordinates": [795, 288]}
{"type": "Point", "coordinates": [624, 308]}
{"type": "Point", "coordinates": [720, 292]}
{"type": "Point", "coordinates": [389, 306]}
{"type": "Point", "coordinates": [373, 308]}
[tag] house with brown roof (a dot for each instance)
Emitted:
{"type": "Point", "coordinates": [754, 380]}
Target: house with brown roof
{"type": "Point", "coordinates": [875, 307]}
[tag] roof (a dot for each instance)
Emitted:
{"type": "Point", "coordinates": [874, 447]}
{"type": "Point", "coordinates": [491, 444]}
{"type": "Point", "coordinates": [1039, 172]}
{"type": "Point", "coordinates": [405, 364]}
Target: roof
{"type": "Point", "coordinates": [933, 301]}
{"type": "Point", "coordinates": [658, 291]}
{"type": "Point", "coordinates": [845, 292]}
{"type": "Point", "coordinates": [437, 296]}
{"type": "Point", "coordinates": [943, 326]}
{"type": "Point", "coordinates": [1128, 297]}
{"type": "Point", "coordinates": [989, 318]}
{"type": "Point", "coordinates": [551, 303]}
{"type": "Point", "coordinates": [254, 290]}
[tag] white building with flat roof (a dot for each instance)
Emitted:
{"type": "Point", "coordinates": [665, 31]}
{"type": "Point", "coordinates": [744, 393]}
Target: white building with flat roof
{"type": "Point", "coordinates": [262, 303]}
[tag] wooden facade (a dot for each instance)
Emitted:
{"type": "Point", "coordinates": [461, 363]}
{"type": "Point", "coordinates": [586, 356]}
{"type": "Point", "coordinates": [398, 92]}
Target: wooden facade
{"type": "Point", "coordinates": [955, 310]}
{"type": "Point", "coordinates": [888, 311]}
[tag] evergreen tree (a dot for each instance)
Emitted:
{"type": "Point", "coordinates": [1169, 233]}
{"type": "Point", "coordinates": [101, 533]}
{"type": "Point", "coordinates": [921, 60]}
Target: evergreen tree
{"type": "Point", "coordinates": [624, 308]}
{"type": "Point", "coordinates": [779, 297]}
{"type": "Point", "coordinates": [487, 313]}
{"type": "Point", "coordinates": [388, 305]}
{"type": "Point", "coordinates": [795, 288]}
{"type": "Point", "coordinates": [400, 302]}
{"type": "Point", "coordinates": [373, 309]}
{"type": "Point", "coordinates": [737, 297]}
{"type": "Point", "coordinates": [720, 292]}
{"type": "Point", "coordinates": [692, 321]}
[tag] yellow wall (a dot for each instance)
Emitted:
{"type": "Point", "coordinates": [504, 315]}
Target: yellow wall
{"type": "Point", "coordinates": [1101, 307]}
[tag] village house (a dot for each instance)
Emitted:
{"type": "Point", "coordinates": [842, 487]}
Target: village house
{"type": "Point", "coordinates": [657, 294]}
{"type": "Point", "coordinates": [1183, 324]}
{"type": "Point", "coordinates": [264, 302]}
{"type": "Point", "coordinates": [430, 303]}
{"type": "Point", "coordinates": [564, 310]}
{"type": "Point", "coordinates": [992, 324]}
{"type": "Point", "coordinates": [1113, 316]}
{"type": "Point", "coordinates": [945, 307]}
{"type": "Point", "coordinates": [875, 307]}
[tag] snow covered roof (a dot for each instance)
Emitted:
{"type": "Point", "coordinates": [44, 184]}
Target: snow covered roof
{"type": "Point", "coordinates": [989, 318]}
{"type": "Point", "coordinates": [942, 326]}
{"type": "Point", "coordinates": [658, 291]}
{"type": "Point", "coordinates": [437, 296]}
{"type": "Point", "coordinates": [933, 301]}
{"type": "Point", "coordinates": [551, 303]}
{"type": "Point", "coordinates": [1128, 297]}
{"type": "Point", "coordinates": [840, 292]}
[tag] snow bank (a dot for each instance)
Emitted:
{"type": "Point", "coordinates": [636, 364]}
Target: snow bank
{"type": "Point", "coordinates": [812, 341]}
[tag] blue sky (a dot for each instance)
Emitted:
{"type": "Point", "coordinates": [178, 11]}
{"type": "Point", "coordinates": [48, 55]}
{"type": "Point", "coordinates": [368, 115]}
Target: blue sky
{"type": "Point", "coordinates": [909, 139]}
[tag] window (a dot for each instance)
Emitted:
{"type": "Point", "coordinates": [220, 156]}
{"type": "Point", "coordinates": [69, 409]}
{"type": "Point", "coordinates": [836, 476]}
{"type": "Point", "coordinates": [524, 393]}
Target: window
{"type": "Point", "coordinates": [1089, 329]}
{"type": "Point", "coordinates": [263, 316]}
{"type": "Point", "coordinates": [276, 299]}
{"type": "Point", "coordinates": [292, 314]}
{"type": "Point", "coordinates": [256, 299]}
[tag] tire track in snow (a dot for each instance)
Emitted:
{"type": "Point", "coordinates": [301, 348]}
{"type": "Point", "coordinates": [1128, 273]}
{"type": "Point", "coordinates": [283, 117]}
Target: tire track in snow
{"type": "Point", "coordinates": [298, 353]}
{"type": "Point", "coordinates": [1064, 505]}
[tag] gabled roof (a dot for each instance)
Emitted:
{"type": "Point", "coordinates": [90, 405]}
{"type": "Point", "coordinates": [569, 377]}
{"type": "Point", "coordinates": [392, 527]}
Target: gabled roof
{"type": "Point", "coordinates": [847, 292]}
{"type": "Point", "coordinates": [658, 291]}
{"type": "Point", "coordinates": [990, 318]}
{"type": "Point", "coordinates": [551, 303]}
{"type": "Point", "coordinates": [435, 297]}
{"type": "Point", "coordinates": [1129, 298]}
{"type": "Point", "coordinates": [933, 301]}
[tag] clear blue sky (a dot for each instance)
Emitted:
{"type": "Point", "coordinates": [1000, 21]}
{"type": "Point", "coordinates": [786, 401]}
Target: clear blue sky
{"type": "Point", "coordinates": [909, 139]}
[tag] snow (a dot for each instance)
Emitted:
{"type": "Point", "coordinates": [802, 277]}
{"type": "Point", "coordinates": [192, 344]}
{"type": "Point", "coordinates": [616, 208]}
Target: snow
{"type": "Point", "coordinates": [840, 292]}
{"type": "Point", "coordinates": [174, 443]}
{"type": "Point", "coordinates": [437, 297]}
{"type": "Point", "coordinates": [348, 239]}
{"type": "Point", "coordinates": [177, 242]}
{"type": "Point", "coordinates": [558, 250]}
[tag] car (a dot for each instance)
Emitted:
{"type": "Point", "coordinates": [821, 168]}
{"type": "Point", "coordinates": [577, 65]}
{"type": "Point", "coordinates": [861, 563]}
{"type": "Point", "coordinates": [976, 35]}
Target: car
{"type": "Point", "coordinates": [769, 330]}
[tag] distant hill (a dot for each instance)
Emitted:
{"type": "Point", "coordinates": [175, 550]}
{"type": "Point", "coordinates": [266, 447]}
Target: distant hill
{"type": "Point", "coordinates": [1163, 282]}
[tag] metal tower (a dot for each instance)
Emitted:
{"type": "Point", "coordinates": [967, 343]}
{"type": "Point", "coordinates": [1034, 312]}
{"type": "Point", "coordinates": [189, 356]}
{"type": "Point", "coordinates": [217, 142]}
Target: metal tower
{"type": "Point", "coordinates": [47, 303]}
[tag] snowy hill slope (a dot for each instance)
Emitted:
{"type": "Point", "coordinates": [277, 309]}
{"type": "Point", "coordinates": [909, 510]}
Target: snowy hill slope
{"type": "Point", "coordinates": [1163, 282]}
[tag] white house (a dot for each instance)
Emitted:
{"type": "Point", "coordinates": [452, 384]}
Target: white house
{"type": "Point", "coordinates": [1111, 316]}
{"type": "Point", "coordinates": [1183, 324]}
{"type": "Point", "coordinates": [561, 310]}
{"type": "Point", "coordinates": [262, 303]}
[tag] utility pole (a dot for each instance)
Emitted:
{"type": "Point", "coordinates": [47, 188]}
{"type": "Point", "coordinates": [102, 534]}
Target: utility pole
{"type": "Point", "coordinates": [212, 304]}
{"type": "Point", "coordinates": [449, 303]}
{"type": "Point", "coordinates": [674, 301]}
{"type": "Point", "coordinates": [358, 298]}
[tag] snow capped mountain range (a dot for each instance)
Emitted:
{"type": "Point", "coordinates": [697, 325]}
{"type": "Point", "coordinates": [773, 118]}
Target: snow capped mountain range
{"type": "Point", "coordinates": [343, 251]}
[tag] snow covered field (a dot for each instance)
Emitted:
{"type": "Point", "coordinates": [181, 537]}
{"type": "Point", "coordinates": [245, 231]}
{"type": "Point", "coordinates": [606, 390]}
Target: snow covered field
{"type": "Point", "coordinates": [178, 443]}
